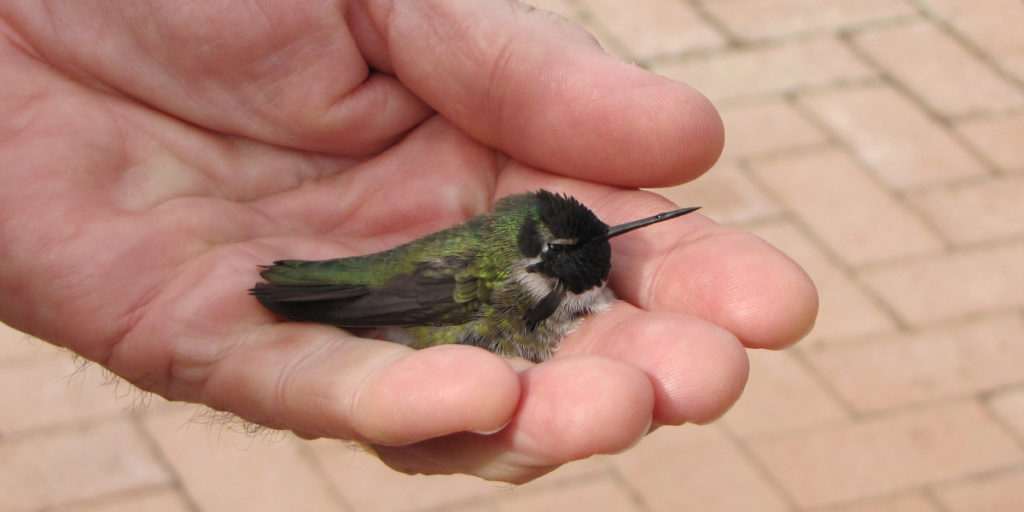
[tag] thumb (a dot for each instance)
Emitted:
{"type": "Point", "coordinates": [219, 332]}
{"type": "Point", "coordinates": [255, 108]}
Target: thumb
{"type": "Point", "coordinates": [541, 89]}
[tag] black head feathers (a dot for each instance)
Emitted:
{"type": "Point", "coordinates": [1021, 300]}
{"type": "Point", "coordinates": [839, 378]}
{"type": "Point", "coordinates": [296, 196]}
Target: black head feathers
{"type": "Point", "coordinates": [567, 218]}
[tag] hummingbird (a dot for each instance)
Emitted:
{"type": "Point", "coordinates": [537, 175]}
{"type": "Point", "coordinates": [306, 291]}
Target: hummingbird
{"type": "Point", "coordinates": [514, 280]}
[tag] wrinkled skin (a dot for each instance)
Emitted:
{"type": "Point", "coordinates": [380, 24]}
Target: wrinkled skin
{"type": "Point", "coordinates": [155, 153]}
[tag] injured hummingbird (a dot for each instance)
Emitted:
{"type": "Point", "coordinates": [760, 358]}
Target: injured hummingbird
{"type": "Point", "coordinates": [514, 280]}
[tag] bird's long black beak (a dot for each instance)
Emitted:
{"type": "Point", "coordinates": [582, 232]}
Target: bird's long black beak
{"type": "Point", "coordinates": [636, 224]}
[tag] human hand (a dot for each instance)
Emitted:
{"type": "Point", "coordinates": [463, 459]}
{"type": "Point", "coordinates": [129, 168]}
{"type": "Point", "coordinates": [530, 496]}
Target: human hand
{"type": "Point", "coordinates": [153, 157]}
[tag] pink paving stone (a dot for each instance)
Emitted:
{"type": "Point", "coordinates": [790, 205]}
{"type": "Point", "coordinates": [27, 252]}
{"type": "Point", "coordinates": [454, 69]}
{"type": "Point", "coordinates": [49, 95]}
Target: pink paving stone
{"type": "Point", "coordinates": [900, 503]}
{"type": "Point", "coordinates": [1013, 65]}
{"type": "Point", "coordinates": [572, 12]}
{"type": "Point", "coordinates": [768, 69]}
{"type": "Point", "coordinates": [603, 494]}
{"type": "Point", "coordinates": [753, 129]}
{"type": "Point", "coordinates": [68, 465]}
{"type": "Point", "coordinates": [935, 66]}
{"type": "Point", "coordinates": [900, 143]}
{"type": "Point", "coordinates": [781, 395]}
{"type": "Point", "coordinates": [361, 479]}
{"type": "Point", "coordinates": [682, 468]}
{"type": "Point", "coordinates": [993, 25]}
{"type": "Point", "coordinates": [832, 465]}
{"type": "Point", "coordinates": [472, 507]}
{"type": "Point", "coordinates": [944, 286]}
{"type": "Point", "coordinates": [886, 372]}
{"type": "Point", "coordinates": [999, 138]}
{"type": "Point", "coordinates": [606, 39]}
{"type": "Point", "coordinates": [1001, 492]}
{"type": "Point", "coordinates": [224, 470]}
{"type": "Point", "coordinates": [859, 220]}
{"type": "Point", "coordinates": [16, 345]}
{"type": "Point", "coordinates": [649, 28]}
{"type": "Point", "coordinates": [725, 194]}
{"type": "Point", "coordinates": [53, 390]}
{"type": "Point", "coordinates": [845, 311]}
{"type": "Point", "coordinates": [1008, 405]}
{"type": "Point", "coordinates": [161, 500]}
{"type": "Point", "coordinates": [987, 210]}
{"type": "Point", "coordinates": [367, 485]}
{"type": "Point", "coordinates": [749, 19]}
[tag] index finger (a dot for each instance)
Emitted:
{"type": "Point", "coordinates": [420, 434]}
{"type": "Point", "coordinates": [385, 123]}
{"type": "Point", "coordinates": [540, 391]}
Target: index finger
{"type": "Point", "coordinates": [541, 89]}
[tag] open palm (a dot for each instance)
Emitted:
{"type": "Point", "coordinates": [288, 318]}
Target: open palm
{"type": "Point", "coordinates": [153, 156]}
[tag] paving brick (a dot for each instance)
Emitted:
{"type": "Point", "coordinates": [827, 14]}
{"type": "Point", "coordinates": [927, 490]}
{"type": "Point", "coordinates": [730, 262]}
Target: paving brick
{"type": "Point", "coordinates": [725, 194]}
{"type": "Point", "coordinates": [948, 361]}
{"type": "Point", "coordinates": [748, 19]}
{"type": "Point", "coordinates": [609, 43]}
{"type": "Point", "coordinates": [649, 28]}
{"type": "Point", "coordinates": [16, 345]}
{"type": "Point", "coordinates": [900, 503]}
{"type": "Point", "coordinates": [976, 212]}
{"type": "Point", "coordinates": [780, 395]}
{"type": "Point", "coordinates": [1008, 406]}
{"type": "Point", "coordinates": [362, 480]}
{"type": "Point", "coordinates": [478, 507]}
{"type": "Point", "coordinates": [989, 24]}
{"type": "Point", "coordinates": [844, 310]}
{"type": "Point", "coordinates": [66, 466]}
{"type": "Point", "coordinates": [997, 493]}
{"type": "Point", "coordinates": [574, 13]}
{"type": "Point", "coordinates": [900, 143]}
{"type": "Point", "coordinates": [1014, 65]}
{"type": "Point", "coordinates": [829, 466]}
{"type": "Point", "coordinates": [952, 285]}
{"type": "Point", "coordinates": [225, 470]}
{"type": "Point", "coordinates": [768, 69]}
{"type": "Point", "coordinates": [753, 129]}
{"type": "Point", "coordinates": [999, 139]}
{"type": "Point", "coordinates": [163, 499]}
{"type": "Point", "coordinates": [52, 390]}
{"type": "Point", "coordinates": [934, 66]}
{"type": "Point", "coordinates": [683, 467]}
{"type": "Point", "coordinates": [598, 495]}
{"type": "Point", "coordinates": [859, 220]}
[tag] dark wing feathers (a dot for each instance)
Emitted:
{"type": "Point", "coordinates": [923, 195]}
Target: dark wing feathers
{"type": "Point", "coordinates": [426, 296]}
{"type": "Point", "coordinates": [305, 293]}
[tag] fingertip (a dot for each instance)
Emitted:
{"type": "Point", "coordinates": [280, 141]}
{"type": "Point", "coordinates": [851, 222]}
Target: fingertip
{"type": "Point", "coordinates": [760, 293]}
{"type": "Point", "coordinates": [697, 369]}
{"type": "Point", "coordinates": [690, 138]}
{"type": "Point", "coordinates": [570, 408]}
{"type": "Point", "coordinates": [672, 133]}
{"type": "Point", "coordinates": [726, 276]}
{"type": "Point", "coordinates": [574, 407]}
{"type": "Point", "coordinates": [434, 392]}
{"type": "Point", "coordinates": [709, 375]}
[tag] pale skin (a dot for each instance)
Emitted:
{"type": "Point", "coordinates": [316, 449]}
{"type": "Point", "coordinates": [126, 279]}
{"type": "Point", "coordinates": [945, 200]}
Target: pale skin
{"type": "Point", "coordinates": [155, 154]}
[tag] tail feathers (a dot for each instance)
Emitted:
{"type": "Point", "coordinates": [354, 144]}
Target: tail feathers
{"type": "Point", "coordinates": [316, 303]}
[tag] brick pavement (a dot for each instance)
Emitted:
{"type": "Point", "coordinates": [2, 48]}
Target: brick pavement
{"type": "Point", "coordinates": [879, 142]}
